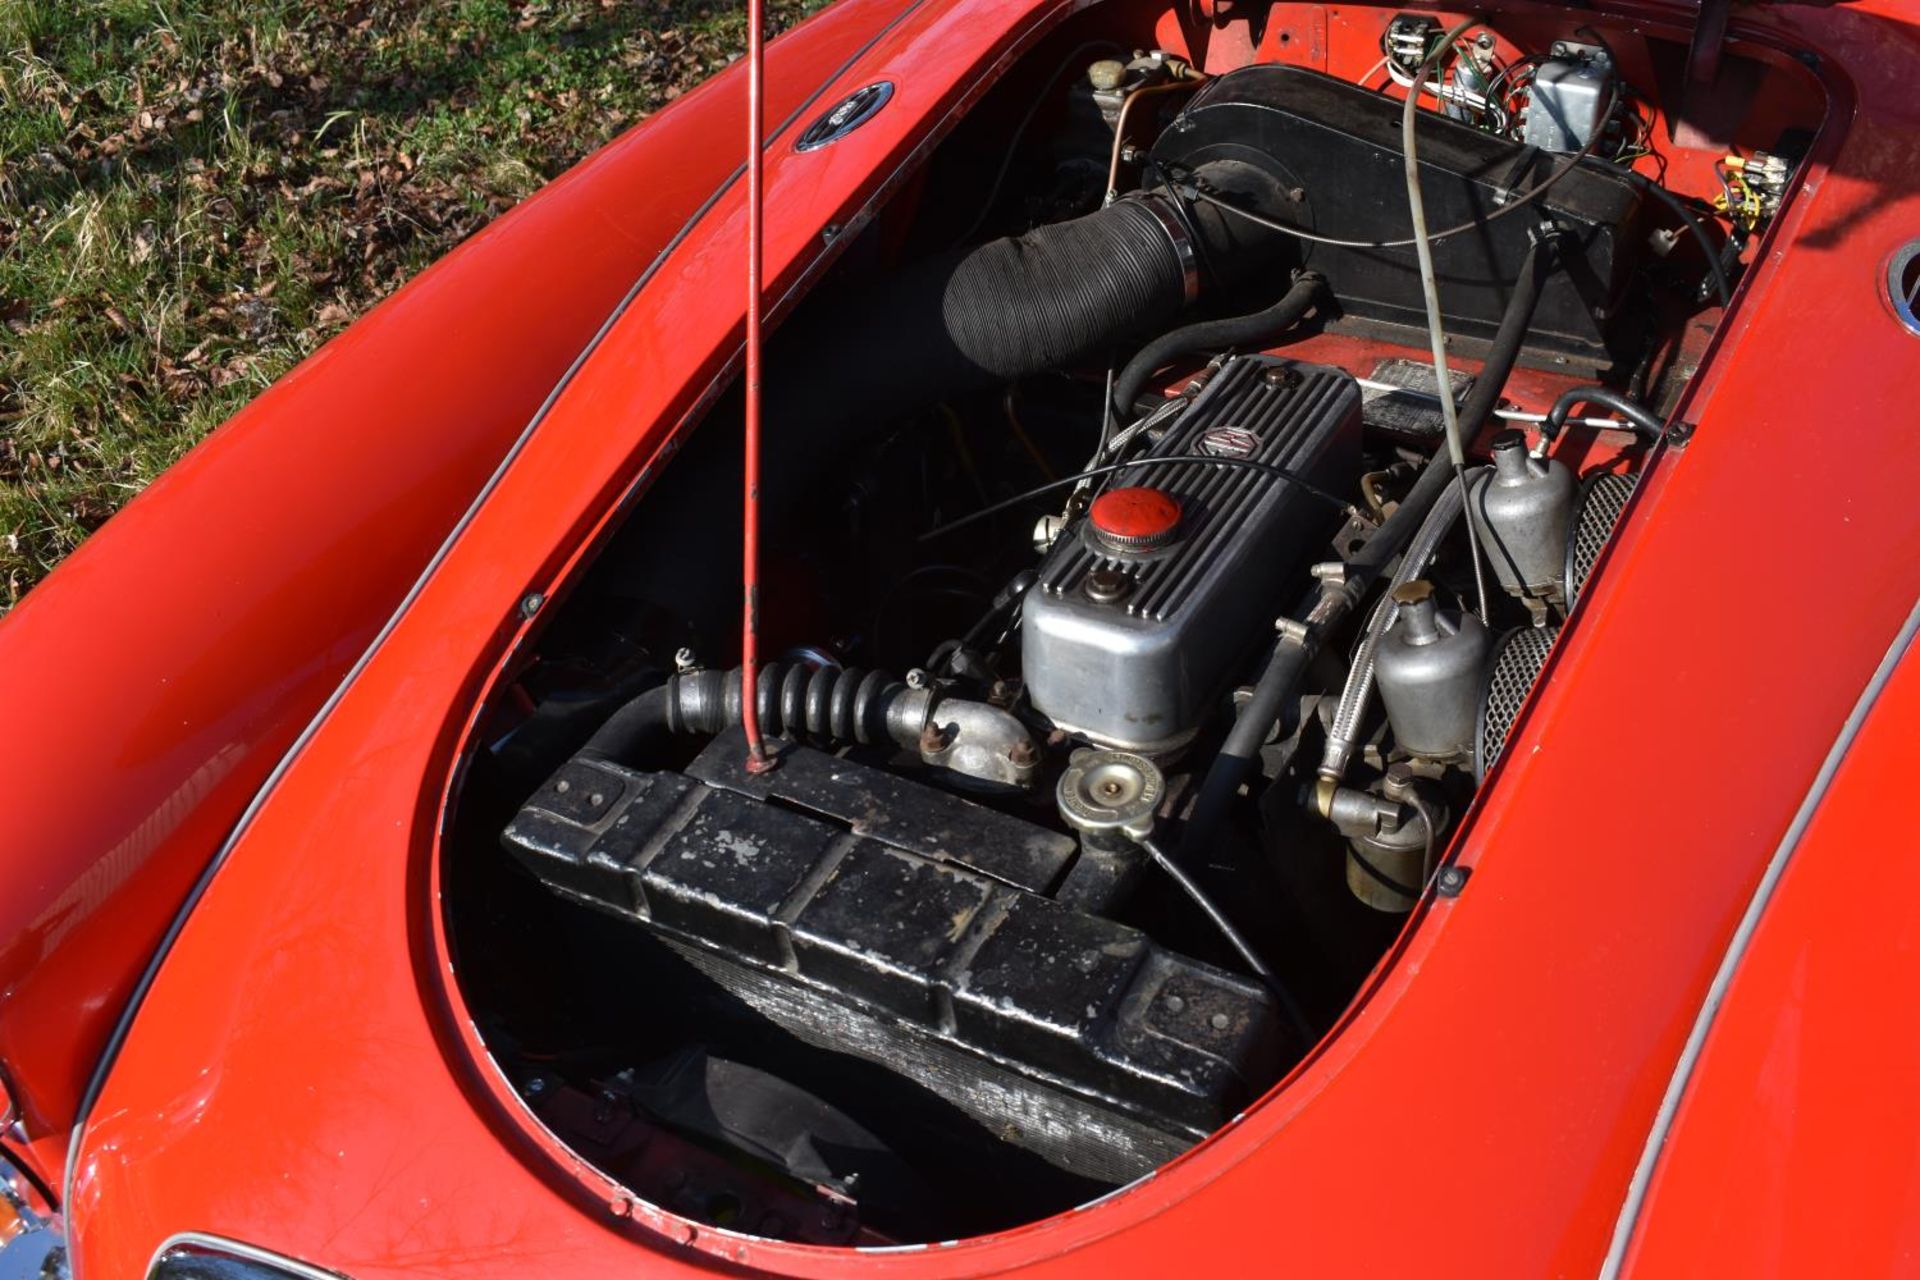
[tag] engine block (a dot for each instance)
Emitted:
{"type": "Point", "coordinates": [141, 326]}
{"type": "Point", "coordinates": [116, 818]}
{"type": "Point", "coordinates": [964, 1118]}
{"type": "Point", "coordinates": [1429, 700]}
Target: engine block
{"type": "Point", "coordinates": [1127, 647]}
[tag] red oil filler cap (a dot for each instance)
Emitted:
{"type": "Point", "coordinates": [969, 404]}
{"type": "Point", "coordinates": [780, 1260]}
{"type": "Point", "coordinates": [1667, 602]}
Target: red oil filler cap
{"type": "Point", "coordinates": [1134, 519]}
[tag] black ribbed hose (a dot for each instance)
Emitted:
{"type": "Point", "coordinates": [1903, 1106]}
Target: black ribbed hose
{"type": "Point", "coordinates": [1243, 333]}
{"type": "Point", "coordinates": [845, 705]}
{"type": "Point", "coordinates": [856, 360]}
{"type": "Point", "coordinates": [1057, 296]}
{"type": "Point", "coordinates": [1295, 649]}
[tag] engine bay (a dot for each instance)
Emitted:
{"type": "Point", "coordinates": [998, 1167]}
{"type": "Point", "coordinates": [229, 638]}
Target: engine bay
{"type": "Point", "coordinates": [1168, 516]}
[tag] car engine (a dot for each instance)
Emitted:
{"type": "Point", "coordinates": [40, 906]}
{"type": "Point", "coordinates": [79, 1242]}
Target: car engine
{"type": "Point", "coordinates": [1110, 479]}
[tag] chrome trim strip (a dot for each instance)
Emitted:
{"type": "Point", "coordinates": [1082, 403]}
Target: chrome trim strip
{"type": "Point", "coordinates": [205, 1242]}
{"type": "Point", "coordinates": [1635, 1203]}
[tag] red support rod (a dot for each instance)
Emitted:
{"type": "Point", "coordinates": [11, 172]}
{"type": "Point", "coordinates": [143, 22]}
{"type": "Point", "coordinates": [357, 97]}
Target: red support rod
{"type": "Point", "coordinates": [757, 759]}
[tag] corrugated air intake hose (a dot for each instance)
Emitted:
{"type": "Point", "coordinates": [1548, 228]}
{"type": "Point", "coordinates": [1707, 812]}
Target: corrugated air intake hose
{"type": "Point", "coordinates": [1059, 295]}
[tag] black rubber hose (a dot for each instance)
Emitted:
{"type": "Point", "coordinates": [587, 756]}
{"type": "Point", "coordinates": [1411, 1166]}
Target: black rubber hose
{"type": "Point", "coordinates": [1060, 295]}
{"type": "Point", "coordinates": [624, 735]}
{"type": "Point", "coordinates": [1643, 420]}
{"type": "Point", "coordinates": [1284, 670]}
{"type": "Point", "coordinates": [859, 358]}
{"type": "Point", "coordinates": [1292, 652]}
{"type": "Point", "coordinates": [1542, 259]}
{"type": "Point", "coordinates": [1502, 356]}
{"type": "Point", "coordinates": [1238, 332]}
{"type": "Point", "coordinates": [839, 705]}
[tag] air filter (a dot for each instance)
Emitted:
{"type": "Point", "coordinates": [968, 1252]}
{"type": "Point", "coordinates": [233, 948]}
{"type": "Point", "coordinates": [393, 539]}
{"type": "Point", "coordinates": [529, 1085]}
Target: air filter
{"type": "Point", "coordinates": [1517, 659]}
{"type": "Point", "coordinates": [1596, 513]}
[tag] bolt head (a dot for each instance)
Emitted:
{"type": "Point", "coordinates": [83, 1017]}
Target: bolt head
{"type": "Point", "coordinates": [1281, 376]}
{"type": "Point", "coordinates": [1107, 585]}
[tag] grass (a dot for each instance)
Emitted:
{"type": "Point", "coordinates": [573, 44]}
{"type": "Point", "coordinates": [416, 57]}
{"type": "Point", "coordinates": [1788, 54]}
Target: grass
{"type": "Point", "coordinates": [195, 194]}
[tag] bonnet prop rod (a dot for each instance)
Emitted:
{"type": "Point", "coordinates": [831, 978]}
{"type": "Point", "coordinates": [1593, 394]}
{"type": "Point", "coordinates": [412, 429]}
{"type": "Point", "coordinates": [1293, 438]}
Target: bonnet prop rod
{"type": "Point", "coordinates": [757, 759]}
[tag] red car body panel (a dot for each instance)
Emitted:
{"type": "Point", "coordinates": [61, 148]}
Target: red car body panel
{"type": "Point", "coordinates": [167, 665]}
{"type": "Point", "coordinates": [1796, 1148]}
{"type": "Point", "coordinates": [302, 1074]}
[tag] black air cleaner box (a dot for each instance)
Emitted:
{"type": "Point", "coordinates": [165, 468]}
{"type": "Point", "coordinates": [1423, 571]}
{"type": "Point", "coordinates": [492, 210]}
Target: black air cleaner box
{"type": "Point", "coordinates": [885, 919]}
{"type": "Point", "coordinates": [1336, 146]}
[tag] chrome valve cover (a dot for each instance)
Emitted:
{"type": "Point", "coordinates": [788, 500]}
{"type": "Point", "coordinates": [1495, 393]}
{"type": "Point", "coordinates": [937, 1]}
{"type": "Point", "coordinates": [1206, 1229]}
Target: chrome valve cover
{"type": "Point", "coordinates": [1129, 648]}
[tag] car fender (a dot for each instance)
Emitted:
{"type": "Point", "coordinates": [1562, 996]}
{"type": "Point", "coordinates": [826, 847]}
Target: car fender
{"type": "Point", "coordinates": [154, 679]}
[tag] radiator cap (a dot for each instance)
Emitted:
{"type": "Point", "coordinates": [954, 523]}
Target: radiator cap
{"type": "Point", "coordinates": [1135, 519]}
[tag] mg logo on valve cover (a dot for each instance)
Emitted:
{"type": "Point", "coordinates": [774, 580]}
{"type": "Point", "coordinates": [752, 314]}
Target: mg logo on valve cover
{"type": "Point", "coordinates": [1227, 442]}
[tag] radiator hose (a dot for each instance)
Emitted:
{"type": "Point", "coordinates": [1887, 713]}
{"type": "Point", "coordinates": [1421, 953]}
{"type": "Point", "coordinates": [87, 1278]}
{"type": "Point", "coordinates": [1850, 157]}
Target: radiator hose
{"type": "Point", "coordinates": [841, 705]}
{"type": "Point", "coordinates": [979, 743]}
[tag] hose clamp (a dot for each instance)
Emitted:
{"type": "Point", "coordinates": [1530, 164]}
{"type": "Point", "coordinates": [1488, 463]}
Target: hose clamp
{"type": "Point", "coordinates": [1184, 252]}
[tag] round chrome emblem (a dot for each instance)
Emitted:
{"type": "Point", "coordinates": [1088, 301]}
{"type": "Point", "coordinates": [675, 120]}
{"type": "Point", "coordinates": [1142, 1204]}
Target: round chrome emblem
{"type": "Point", "coordinates": [844, 116]}
{"type": "Point", "coordinates": [1903, 285]}
{"type": "Point", "coordinates": [1227, 442]}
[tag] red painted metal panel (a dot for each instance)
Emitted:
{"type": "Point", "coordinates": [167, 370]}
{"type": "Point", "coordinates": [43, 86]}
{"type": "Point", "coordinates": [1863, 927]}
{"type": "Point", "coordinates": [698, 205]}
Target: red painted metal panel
{"type": "Point", "coordinates": [1796, 1150]}
{"type": "Point", "coordinates": [300, 1075]}
{"type": "Point", "coordinates": [153, 680]}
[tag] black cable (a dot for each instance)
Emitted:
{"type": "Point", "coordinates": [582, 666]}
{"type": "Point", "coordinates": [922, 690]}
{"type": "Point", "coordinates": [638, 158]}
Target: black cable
{"type": "Point", "coordinates": [1430, 838]}
{"type": "Point", "coordinates": [1712, 251]}
{"type": "Point", "coordinates": [1005, 601]}
{"type": "Point", "coordinates": [1721, 285]}
{"type": "Point", "coordinates": [1233, 936]}
{"type": "Point", "coordinates": [1426, 858]}
{"type": "Point", "coordinates": [1242, 464]}
{"type": "Point", "coordinates": [1380, 877]}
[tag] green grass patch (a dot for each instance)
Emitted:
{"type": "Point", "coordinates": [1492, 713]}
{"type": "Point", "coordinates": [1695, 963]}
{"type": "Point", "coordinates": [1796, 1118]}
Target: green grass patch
{"type": "Point", "coordinates": [193, 196]}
